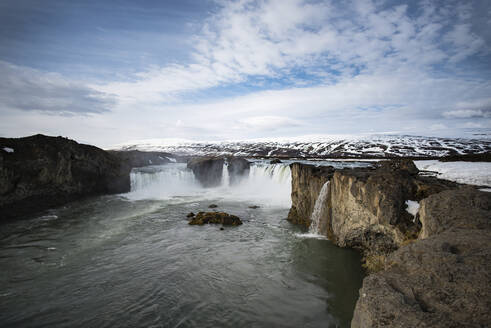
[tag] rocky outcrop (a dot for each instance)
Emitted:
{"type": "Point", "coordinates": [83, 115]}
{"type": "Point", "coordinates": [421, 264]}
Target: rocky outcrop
{"type": "Point", "coordinates": [366, 207]}
{"type": "Point", "coordinates": [428, 270]}
{"type": "Point", "coordinates": [441, 280]}
{"type": "Point", "coordinates": [136, 158]}
{"type": "Point", "coordinates": [208, 171]}
{"type": "Point", "coordinates": [40, 172]}
{"type": "Point", "coordinates": [466, 208]}
{"type": "Point", "coordinates": [307, 181]}
{"type": "Point", "coordinates": [238, 169]}
{"type": "Point", "coordinates": [215, 217]}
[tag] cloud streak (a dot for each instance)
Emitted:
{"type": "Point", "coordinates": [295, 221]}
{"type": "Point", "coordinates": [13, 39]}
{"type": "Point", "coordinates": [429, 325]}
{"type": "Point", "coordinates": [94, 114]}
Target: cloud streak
{"type": "Point", "coordinates": [28, 89]}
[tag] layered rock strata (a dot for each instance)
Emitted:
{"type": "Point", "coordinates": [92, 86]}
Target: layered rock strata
{"type": "Point", "coordinates": [40, 172]}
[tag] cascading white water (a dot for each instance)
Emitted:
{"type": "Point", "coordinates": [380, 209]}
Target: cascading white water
{"type": "Point", "coordinates": [225, 175]}
{"type": "Point", "coordinates": [316, 216]}
{"type": "Point", "coordinates": [270, 183]}
{"type": "Point", "coordinates": [162, 181]}
{"type": "Point", "coordinates": [267, 184]}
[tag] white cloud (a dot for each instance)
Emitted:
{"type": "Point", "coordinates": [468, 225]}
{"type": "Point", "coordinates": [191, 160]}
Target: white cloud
{"type": "Point", "coordinates": [28, 89]}
{"type": "Point", "coordinates": [375, 68]}
{"type": "Point", "coordinates": [269, 122]}
{"type": "Point", "coordinates": [468, 113]}
{"type": "Point", "coordinates": [273, 38]}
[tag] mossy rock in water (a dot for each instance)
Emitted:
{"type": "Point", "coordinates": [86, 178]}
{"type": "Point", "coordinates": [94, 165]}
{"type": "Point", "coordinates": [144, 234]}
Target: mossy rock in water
{"type": "Point", "coordinates": [215, 217]}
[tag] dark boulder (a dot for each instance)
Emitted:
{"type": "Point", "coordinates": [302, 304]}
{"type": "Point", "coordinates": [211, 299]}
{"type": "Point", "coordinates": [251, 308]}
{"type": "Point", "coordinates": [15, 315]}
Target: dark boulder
{"type": "Point", "coordinates": [190, 215]}
{"type": "Point", "coordinates": [42, 172]}
{"type": "Point", "coordinates": [215, 217]}
{"type": "Point", "coordinates": [208, 171]}
{"type": "Point", "coordinates": [213, 206]}
{"type": "Point", "coordinates": [400, 165]}
{"type": "Point", "coordinates": [238, 169]}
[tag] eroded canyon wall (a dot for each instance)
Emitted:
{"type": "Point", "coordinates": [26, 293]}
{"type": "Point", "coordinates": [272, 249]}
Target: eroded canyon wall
{"type": "Point", "coordinates": [426, 271]}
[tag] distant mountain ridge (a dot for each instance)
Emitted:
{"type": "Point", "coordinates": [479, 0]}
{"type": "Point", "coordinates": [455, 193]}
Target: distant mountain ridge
{"type": "Point", "coordinates": [381, 146]}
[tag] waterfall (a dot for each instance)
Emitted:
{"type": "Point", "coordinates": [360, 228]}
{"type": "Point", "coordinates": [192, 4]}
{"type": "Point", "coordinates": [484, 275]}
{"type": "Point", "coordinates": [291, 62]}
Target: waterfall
{"type": "Point", "coordinates": [225, 175]}
{"type": "Point", "coordinates": [316, 216]}
{"type": "Point", "coordinates": [267, 184]}
{"type": "Point", "coordinates": [162, 181]}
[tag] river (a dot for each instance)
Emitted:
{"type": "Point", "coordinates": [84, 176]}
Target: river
{"type": "Point", "coordinates": [132, 260]}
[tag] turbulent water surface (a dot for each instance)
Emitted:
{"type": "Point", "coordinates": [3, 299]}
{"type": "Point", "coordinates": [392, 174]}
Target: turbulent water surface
{"type": "Point", "coordinates": [133, 261]}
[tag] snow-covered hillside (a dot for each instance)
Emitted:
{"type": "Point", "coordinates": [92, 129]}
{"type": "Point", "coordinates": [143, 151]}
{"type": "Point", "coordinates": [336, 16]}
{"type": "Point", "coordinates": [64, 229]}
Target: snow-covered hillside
{"type": "Point", "coordinates": [319, 146]}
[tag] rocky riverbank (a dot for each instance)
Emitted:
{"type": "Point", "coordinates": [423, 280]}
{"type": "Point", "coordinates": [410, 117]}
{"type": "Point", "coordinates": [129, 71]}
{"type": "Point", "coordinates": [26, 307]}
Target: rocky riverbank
{"type": "Point", "coordinates": [40, 172]}
{"type": "Point", "coordinates": [428, 269]}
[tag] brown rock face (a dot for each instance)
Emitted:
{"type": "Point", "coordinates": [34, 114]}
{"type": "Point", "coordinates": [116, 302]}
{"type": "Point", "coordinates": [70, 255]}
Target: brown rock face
{"type": "Point", "coordinates": [441, 281]}
{"type": "Point", "coordinates": [215, 217]}
{"type": "Point", "coordinates": [366, 208]}
{"type": "Point", "coordinates": [44, 172]}
{"type": "Point", "coordinates": [307, 181]}
{"type": "Point", "coordinates": [208, 171]}
{"type": "Point", "coordinates": [466, 208]}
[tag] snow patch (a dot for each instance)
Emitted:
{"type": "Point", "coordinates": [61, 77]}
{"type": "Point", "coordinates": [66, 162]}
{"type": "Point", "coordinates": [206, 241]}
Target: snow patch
{"type": "Point", "coordinates": [474, 173]}
{"type": "Point", "coordinates": [8, 149]}
{"type": "Point", "coordinates": [412, 207]}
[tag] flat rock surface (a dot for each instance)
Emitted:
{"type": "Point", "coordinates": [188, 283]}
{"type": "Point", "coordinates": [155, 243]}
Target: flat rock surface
{"type": "Point", "coordinates": [442, 281]}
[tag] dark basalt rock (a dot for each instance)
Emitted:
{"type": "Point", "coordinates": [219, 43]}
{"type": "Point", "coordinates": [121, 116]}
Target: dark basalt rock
{"type": "Point", "coordinates": [208, 171]}
{"type": "Point", "coordinates": [136, 158]}
{"type": "Point", "coordinates": [44, 172]}
{"type": "Point", "coordinates": [238, 169]}
{"type": "Point", "coordinates": [400, 165]}
{"type": "Point", "coordinates": [275, 161]}
{"type": "Point", "coordinates": [213, 206]}
{"type": "Point", "coordinates": [254, 207]}
{"type": "Point", "coordinates": [190, 215]}
{"type": "Point", "coordinates": [215, 217]}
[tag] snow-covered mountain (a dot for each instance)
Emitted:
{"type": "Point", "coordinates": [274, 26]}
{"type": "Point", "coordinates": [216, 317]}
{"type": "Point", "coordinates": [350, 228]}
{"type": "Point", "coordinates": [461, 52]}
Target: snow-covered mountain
{"type": "Point", "coordinates": [318, 147]}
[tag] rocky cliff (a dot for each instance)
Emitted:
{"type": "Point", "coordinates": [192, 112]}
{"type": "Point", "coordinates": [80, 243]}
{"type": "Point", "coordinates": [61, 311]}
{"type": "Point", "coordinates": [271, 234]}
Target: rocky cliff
{"type": "Point", "coordinates": [307, 181]}
{"type": "Point", "coordinates": [207, 170]}
{"type": "Point", "coordinates": [40, 172]}
{"type": "Point", "coordinates": [238, 169]}
{"type": "Point", "coordinates": [424, 267]}
{"type": "Point", "coordinates": [441, 280]}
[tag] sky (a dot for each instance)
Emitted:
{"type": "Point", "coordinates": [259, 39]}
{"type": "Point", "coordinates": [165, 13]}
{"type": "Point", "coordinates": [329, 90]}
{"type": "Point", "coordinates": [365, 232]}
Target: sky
{"type": "Point", "coordinates": [105, 72]}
